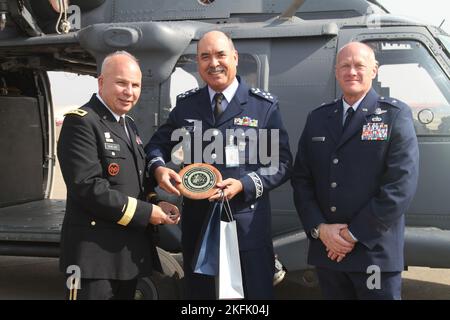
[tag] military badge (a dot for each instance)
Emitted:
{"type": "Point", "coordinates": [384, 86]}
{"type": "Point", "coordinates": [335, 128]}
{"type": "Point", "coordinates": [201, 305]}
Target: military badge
{"type": "Point", "coordinates": [374, 131]}
{"type": "Point", "coordinates": [113, 169]}
{"type": "Point", "coordinates": [376, 119]}
{"type": "Point", "coordinates": [379, 111]}
{"type": "Point", "coordinates": [237, 121]}
{"type": "Point", "coordinates": [246, 122]}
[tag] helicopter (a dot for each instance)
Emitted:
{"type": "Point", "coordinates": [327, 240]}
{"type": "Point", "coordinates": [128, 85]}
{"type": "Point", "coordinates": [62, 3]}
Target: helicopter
{"type": "Point", "coordinates": [286, 47]}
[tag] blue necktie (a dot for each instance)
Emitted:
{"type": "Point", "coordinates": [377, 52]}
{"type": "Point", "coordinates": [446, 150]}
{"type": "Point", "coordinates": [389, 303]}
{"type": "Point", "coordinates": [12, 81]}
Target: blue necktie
{"type": "Point", "coordinates": [349, 115]}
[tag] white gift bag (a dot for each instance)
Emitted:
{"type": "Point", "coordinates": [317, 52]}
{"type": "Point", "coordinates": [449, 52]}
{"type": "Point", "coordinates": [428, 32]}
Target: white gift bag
{"type": "Point", "coordinates": [229, 281]}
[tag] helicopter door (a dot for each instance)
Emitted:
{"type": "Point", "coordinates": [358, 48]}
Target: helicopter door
{"type": "Point", "coordinates": [25, 136]}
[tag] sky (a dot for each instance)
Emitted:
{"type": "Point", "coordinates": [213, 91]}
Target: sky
{"type": "Point", "coordinates": [431, 11]}
{"type": "Point", "coordinates": [71, 91]}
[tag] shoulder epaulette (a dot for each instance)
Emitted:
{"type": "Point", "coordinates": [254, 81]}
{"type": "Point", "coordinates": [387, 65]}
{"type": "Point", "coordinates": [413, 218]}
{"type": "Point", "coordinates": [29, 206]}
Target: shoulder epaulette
{"type": "Point", "coordinates": [263, 94]}
{"type": "Point", "coordinates": [187, 93]}
{"type": "Point", "coordinates": [326, 104]}
{"type": "Point", "coordinates": [390, 101]}
{"type": "Point", "coordinates": [78, 112]}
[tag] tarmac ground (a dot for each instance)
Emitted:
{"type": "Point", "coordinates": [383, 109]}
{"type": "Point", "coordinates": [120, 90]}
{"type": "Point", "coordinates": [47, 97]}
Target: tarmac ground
{"type": "Point", "coordinates": [31, 278]}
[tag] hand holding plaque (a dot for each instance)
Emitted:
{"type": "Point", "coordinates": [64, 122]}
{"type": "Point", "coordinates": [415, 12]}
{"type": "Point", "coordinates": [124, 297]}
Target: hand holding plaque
{"type": "Point", "coordinates": [198, 181]}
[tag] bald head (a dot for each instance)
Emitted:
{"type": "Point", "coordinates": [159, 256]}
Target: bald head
{"type": "Point", "coordinates": [112, 57]}
{"type": "Point", "coordinates": [119, 84]}
{"type": "Point", "coordinates": [217, 60]}
{"type": "Point", "coordinates": [215, 34]}
{"type": "Point", "coordinates": [360, 47]}
{"type": "Point", "coordinates": [356, 67]}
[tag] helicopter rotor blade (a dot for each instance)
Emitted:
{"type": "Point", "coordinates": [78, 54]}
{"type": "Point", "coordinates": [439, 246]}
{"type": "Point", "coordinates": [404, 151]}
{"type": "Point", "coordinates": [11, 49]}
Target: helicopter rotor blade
{"type": "Point", "coordinates": [295, 5]}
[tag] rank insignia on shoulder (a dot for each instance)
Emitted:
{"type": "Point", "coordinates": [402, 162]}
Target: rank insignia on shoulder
{"type": "Point", "coordinates": [388, 101]}
{"type": "Point", "coordinates": [326, 105]}
{"type": "Point", "coordinates": [262, 94]}
{"type": "Point", "coordinates": [77, 112]}
{"type": "Point", "coordinates": [187, 93]}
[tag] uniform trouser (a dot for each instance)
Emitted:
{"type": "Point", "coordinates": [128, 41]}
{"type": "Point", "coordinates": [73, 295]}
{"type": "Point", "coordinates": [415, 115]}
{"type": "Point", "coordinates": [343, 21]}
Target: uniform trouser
{"type": "Point", "coordinates": [257, 276]}
{"type": "Point", "coordinates": [103, 289]}
{"type": "Point", "coordinates": [339, 285]}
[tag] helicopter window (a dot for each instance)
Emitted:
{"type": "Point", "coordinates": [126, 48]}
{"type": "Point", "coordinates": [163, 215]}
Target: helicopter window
{"type": "Point", "coordinates": [407, 71]}
{"type": "Point", "coordinates": [186, 76]}
{"type": "Point", "coordinates": [81, 89]}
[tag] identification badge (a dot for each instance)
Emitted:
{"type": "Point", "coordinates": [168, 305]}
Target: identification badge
{"type": "Point", "coordinates": [112, 146]}
{"type": "Point", "coordinates": [231, 154]}
{"type": "Point", "coordinates": [318, 139]}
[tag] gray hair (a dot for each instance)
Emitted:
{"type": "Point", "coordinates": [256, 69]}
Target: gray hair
{"type": "Point", "coordinates": [117, 53]}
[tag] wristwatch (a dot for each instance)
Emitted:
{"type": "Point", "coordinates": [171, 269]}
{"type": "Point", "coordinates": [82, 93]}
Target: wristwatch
{"type": "Point", "coordinates": [152, 197]}
{"type": "Point", "coordinates": [315, 232]}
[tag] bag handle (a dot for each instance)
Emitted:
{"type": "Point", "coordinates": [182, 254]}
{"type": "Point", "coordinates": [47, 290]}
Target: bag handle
{"type": "Point", "coordinates": [225, 204]}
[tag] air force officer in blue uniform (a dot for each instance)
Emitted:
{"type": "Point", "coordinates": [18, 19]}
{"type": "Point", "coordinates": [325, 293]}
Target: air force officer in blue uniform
{"type": "Point", "coordinates": [246, 184]}
{"type": "Point", "coordinates": [354, 177]}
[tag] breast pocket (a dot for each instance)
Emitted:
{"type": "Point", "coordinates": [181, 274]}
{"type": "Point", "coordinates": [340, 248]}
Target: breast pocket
{"type": "Point", "coordinates": [373, 151]}
{"type": "Point", "coordinates": [320, 149]}
{"type": "Point", "coordinates": [373, 144]}
{"type": "Point", "coordinates": [114, 166]}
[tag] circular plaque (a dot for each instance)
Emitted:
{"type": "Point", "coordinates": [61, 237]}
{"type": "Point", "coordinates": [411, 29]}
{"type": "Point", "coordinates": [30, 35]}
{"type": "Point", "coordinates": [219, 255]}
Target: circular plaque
{"type": "Point", "coordinates": [198, 181]}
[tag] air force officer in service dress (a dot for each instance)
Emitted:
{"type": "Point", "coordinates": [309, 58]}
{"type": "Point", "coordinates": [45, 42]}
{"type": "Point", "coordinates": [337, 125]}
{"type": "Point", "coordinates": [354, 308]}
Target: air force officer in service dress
{"type": "Point", "coordinates": [355, 174]}
{"type": "Point", "coordinates": [227, 103]}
